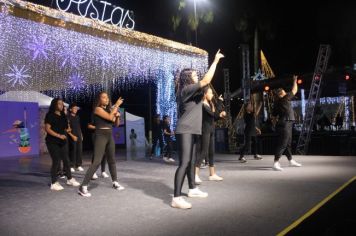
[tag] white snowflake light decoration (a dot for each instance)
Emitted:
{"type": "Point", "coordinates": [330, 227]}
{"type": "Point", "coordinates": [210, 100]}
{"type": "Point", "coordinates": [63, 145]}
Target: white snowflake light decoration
{"type": "Point", "coordinates": [76, 81]}
{"type": "Point", "coordinates": [39, 47]}
{"type": "Point", "coordinates": [70, 57]}
{"type": "Point", "coordinates": [18, 76]}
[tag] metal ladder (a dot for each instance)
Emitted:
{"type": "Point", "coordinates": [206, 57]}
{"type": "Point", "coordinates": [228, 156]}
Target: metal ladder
{"type": "Point", "coordinates": [313, 99]}
{"type": "Point", "coordinates": [228, 121]}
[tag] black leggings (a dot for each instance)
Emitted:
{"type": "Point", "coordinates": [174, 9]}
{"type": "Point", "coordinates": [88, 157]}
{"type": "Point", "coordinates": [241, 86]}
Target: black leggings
{"type": "Point", "coordinates": [58, 152]}
{"type": "Point", "coordinates": [104, 143]}
{"type": "Point", "coordinates": [207, 148]}
{"type": "Point", "coordinates": [284, 145]}
{"type": "Point", "coordinates": [103, 161]}
{"type": "Point", "coordinates": [186, 145]}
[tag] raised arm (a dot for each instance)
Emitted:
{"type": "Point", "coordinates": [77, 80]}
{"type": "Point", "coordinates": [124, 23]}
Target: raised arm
{"type": "Point", "coordinates": [112, 115]}
{"type": "Point", "coordinates": [209, 75]}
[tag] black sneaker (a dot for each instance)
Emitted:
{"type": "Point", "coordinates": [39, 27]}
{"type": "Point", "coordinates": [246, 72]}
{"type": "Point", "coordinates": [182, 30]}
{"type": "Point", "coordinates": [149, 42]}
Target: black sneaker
{"type": "Point", "coordinates": [83, 191]}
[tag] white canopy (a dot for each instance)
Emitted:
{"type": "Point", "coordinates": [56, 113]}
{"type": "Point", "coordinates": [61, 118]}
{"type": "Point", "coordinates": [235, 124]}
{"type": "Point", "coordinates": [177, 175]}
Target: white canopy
{"type": "Point", "coordinates": [28, 96]}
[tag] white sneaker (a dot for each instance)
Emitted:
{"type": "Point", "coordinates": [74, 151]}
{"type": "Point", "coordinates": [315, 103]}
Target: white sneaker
{"type": "Point", "coordinates": [83, 191]}
{"type": "Point", "coordinates": [171, 160]}
{"type": "Point", "coordinates": [104, 175]}
{"type": "Point", "coordinates": [181, 203]}
{"type": "Point", "coordinates": [73, 182]}
{"type": "Point", "coordinates": [56, 186]}
{"type": "Point", "coordinates": [80, 168]}
{"type": "Point", "coordinates": [198, 180]}
{"type": "Point", "coordinates": [196, 192]}
{"type": "Point", "coordinates": [294, 163]}
{"type": "Point", "coordinates": [95, 176]}
{"type": "Point", "coordinates": [117, 186]}
{"type": "Point", "coordinates": [215, 178]}
{"type": "Point", "coordinates": [277, 166]}
{"type": "Point", "coordinates": [72, 170]}
{"type": "Point", "coordinates": [165, 159]}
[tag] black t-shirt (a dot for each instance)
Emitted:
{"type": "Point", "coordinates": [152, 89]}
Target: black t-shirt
{"type": "Point", "coordinates": [250, 124]}
{"type": "Point", "coordinates": [283, 108]}
{"type": "Point", "coordinates": [167, 128]}
{"type": "Point", "coordinates": [208, 118]}
{"type": "Point", "coordinates": [74, 123]}
{"type": "Point", "coordinates": [59, 124]}
{"type": "Point", "coordinates": [190, 110]}
{"type": "Point", "coordinates": [156, 128]}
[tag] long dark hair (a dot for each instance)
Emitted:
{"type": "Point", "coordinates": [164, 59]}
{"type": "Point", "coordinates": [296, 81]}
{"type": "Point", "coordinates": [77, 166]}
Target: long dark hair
{"type": "Point", "coordinates": [184, 79]}
{"type": "Point", "coordinates": [53, 106]}
{"type": "Point", "coordinates": [97, 102]}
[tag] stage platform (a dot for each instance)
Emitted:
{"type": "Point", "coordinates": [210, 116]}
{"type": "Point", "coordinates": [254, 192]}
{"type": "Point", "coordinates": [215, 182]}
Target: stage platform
{"type": "Point", "coordinates": [252, 200]}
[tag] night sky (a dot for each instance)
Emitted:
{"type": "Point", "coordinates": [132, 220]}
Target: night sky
{"type": "Point", "coordinates": [289, 31]}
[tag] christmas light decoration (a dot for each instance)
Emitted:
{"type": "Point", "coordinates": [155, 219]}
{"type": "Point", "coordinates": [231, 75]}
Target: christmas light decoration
{"type": "Point", "coordinates": [72, 56]}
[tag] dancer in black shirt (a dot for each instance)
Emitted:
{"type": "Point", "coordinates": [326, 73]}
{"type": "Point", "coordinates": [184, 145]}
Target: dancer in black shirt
{"type": "Point", "coordinates": [283, 111]}
{"type": "Point", "coordinates": [56, 126]}
{"type": "Point", "coordinates": [104, 118]}
{"type": "Point", "coordinates": [75, 141]}
{"type": "Point", "coordinates": [250, 133]}
{"type": "Point", "coordinates": [207, 148]}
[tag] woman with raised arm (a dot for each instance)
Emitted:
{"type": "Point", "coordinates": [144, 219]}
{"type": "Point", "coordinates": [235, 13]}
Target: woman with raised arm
{"type": "Point", "coordinates": [189, 125]}
{"type": "Point", "coordinates": [105, 117]}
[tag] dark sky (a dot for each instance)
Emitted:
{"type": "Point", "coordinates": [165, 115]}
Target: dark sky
{"type": "Point", "coordinates": [289, 31]}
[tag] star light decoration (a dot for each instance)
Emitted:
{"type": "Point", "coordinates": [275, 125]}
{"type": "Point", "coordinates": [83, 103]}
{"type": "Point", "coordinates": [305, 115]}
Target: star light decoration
{"type": "Point", "coordinates": [76, 81]}
{"type": "Point", "coordinates": [39, 47]}
{"type": "Point", "coordinates": [259, 76]}
{"type": "Point", "coordinates": [17, 76]}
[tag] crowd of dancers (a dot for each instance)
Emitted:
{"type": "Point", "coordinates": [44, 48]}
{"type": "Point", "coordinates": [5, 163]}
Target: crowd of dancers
{"type": "Point", "coordinates": [197, 112]}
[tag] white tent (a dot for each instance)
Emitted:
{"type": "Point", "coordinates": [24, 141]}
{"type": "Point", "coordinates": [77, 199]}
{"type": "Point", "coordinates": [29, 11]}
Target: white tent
{"type": "Point", "coordinates": [27, 96]}
{"type": "Point", "coordinates": [136, 123]}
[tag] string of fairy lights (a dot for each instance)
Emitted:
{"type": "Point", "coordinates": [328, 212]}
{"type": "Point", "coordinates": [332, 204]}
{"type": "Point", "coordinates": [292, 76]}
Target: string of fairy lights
{"type": "Point", "coordinates": [43, 49]}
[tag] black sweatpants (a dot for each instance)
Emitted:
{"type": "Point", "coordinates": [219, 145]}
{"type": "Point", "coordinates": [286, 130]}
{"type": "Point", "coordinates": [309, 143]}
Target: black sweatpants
{"type": "Point", "coordinates": [207, 148]}
{"type": "Point", "coordinates": [75, 152]}
{"type": "Point", "coordinates": [103, 144]}
{"type": "Point", "coordinates": [58, 152]}
{"type": "Point", "coordinates": [157, 139]}
{"type": "Point", "coordinates": [186, 146]}
{"type": "Point", "coordinates": [169, 147]}
{"type": "Point", "coordinates": [284, 145]}
{"type": "Point", "coordinates": [247, 146]}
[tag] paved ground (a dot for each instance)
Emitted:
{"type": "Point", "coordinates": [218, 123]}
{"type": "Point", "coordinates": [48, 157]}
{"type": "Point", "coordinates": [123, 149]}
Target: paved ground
{"type": "Point", "coordinates": [252, 200]}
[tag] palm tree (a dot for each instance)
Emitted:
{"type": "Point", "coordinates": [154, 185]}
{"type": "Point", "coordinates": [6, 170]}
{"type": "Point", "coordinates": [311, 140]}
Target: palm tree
{"type": "Point", "coordinates": [184, 16]}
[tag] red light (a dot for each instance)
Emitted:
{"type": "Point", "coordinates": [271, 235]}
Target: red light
{"type": "Point", "coordinates": [266, 88]}
{"type": "Point", "coordinates": [299, 81]}
{"type": "Point", "coordinates": [347, 77]}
